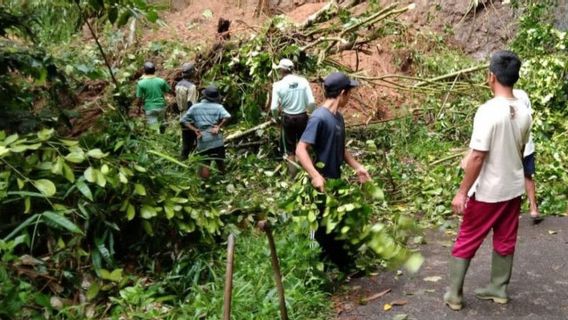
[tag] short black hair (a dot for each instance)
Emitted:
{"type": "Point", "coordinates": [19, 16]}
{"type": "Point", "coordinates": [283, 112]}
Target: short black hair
{"type": "Point", "coordinates": [334, 94]}
{"type": "Point", "coordinates": [505, 65]}
{"type": "Point", "coordinates": [149, 67]}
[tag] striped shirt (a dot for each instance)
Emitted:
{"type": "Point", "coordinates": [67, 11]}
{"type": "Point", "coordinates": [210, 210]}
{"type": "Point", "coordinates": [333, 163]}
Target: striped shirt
{"type": "Point", "coordinates": [205, 115]}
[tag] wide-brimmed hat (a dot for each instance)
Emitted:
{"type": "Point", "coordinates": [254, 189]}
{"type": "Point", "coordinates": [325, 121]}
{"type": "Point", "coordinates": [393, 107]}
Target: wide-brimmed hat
{"type": "Point", "coordinates": [211, 93]}
{"type": "Point", "coordinates": [285, 64]}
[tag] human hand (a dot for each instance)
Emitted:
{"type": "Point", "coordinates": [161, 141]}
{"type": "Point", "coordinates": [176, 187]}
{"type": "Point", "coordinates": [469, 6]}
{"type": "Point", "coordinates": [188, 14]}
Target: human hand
{"type": "Point", "coordinates": [363, 174]}
{"type": "Point", "coordinates": [318, 182]}
{"type": "Point", "coordinates": [458, 204]}
{"type": "Point", "coordinates": [214, 130]}
{"type": "Point", "coordinates": [198, 134]}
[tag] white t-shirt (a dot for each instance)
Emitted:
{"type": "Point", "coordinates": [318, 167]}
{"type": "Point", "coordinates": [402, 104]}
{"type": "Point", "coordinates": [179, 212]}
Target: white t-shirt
{"type": "Point", "coordinates": [502, 128]}
{"type": "Point", "coordinates": [524, 97]}
{"type": "Point", "coordinates": [293, 94]}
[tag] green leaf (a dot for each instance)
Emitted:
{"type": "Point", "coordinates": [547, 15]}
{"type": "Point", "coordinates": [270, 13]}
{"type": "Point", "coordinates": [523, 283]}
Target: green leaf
{"type": "Point", "coordinates": [114, 276]}
{"type": "Point", "coordinates": [130, 212]}
{"type": "Point", "coordinates": [46, 187]}
{"type": "Point", "coordinates": [101, 180]}
{"type": "Point", "coordinates": [75, 157]}
{"type": "Point", "coordinates": [169, 212]}
{"type": "Point", "coordinates": [139, 168]}
{"type": "Point", "coordinates": [122, 20]}
{"type": "Point", "coordinates": [96, 153]}
{"type": "Point", "coordinates": [45, 134]}
{"type": "Point", "coordinates": [139, 189]}
{"type": "Point", "coordinates": [21, 183]}
{"type": "Point", "coordinates": [414, 262]}
{"type": "Point", "coordinates": [105, 169]}
{"type": "Point", "coordinates": [148, 212]}
{"type": "Point", "coordinates": [69, 143]}
{"type": "Point", "coordinates": [122, 178]}
{"type": "Point", "coordinates": [93, 291]}
{"type": "Point", "coordinates": [27, 204]}
{"type": "Point", "coordinates": [10, 139]}
{"type": "Point", "coordinates": [68, 173]}
{"type": "Point", "coordinates": [25, 147]}
{"type": "Point", "coordinates": [58, 167]}
{"type": "Point", "coordinates": [4, 151]}
{"type": "Point", "coordinates": [84, 189]}
{"type": "Point", "coordinates": [90, 175]}
{"type": "Point", "coordinates": [61, 221]}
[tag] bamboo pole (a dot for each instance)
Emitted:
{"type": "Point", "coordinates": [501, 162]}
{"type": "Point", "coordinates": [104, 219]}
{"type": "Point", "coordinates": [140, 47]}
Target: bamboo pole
{"type": "Point", "coordinates": [229, 277]}
{"type": "Point", "coordinates": [264, 225]}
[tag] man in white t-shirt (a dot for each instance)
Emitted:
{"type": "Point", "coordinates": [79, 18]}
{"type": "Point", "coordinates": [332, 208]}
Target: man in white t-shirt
{"type": "Point", "coordinates": [489, 196]}
{"type": "Point", "coordinates": [529, 164]}
{"type": "Point", "coordinates": [291, 97]}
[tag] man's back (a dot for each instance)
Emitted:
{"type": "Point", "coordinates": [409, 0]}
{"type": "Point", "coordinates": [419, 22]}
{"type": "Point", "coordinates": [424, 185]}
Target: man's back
{"type": "Point", "coordinates": [293, 93]}
{"type": "Point", "coordinates": [204, 115]}
{"type": "Point", "coordinates": [186, 94]}
{"type": "Point", "coordinates": [151, 89]}
{"type": "Point", "coordinates": [502, 128]}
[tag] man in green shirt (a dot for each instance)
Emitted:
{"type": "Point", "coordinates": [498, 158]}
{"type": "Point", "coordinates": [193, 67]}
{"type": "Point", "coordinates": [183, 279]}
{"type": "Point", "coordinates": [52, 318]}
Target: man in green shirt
{"type": "Point", "coordinates": [150, 91]}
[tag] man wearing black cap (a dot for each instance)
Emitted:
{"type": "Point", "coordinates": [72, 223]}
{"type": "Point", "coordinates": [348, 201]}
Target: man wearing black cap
{"type": "Point", "coordinates": [150, 90]}
{"type": "Point", "coordinates": [205, 119]}
{"type": "Point", "coordinates": [325, 133]}
{"type": "Point", "coordinates": [186, 96]}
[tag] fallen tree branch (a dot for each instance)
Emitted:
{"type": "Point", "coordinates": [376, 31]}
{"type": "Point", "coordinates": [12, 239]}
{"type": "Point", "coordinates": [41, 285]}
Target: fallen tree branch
{"type": "Point", "coordinates": [237, 135]}
{"type": "Point", "coordinates": [453, 74]}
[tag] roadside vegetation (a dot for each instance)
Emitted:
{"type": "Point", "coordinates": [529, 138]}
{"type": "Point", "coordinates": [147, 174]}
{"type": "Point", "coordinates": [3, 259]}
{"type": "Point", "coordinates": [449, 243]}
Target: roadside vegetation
{"type": "Point", "coordinates": [105, 222]}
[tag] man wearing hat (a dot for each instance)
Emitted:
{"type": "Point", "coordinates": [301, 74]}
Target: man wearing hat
{"type": "Point", "coordinates": [150, 91]}
{"type": "Point", "coordinates": [294, 96]}
{"type": "Point", "coordinates": [325, 134]}
{"type": "Point", "coordinates": [205, 119]}
{"type": "Point", "coordinates": [186, 96]}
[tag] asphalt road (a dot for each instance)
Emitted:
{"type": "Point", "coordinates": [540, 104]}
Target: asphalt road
{"type": "Point", "coordinates": [538, 288]}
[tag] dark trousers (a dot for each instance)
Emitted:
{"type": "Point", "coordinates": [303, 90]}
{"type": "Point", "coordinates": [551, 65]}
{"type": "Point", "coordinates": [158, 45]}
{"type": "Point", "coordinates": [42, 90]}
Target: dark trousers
{"type": "Point", "coordinates": [188, 142]}
{"type": "Point", "coordinates": [337, 251]}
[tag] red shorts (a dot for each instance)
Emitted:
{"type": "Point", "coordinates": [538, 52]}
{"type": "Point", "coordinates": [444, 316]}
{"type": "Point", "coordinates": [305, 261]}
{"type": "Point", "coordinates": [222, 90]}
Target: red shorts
{"type": "Point", "coordinates": [479, 218]}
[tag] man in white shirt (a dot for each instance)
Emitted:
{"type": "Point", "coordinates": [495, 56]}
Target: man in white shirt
{"type": "Point", "coordinates": [529, 164]}
{"type": "Point", "coordinates": [291, 97]}
{"type": "Point", "coordinates": [489, 196]}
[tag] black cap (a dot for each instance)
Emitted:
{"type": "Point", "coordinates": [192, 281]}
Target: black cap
{"type": "Point", "coordinates": [211, 93]}
{"type": "Point", "coordinates": [338, 81]}
{"type": "Point", "coordinates": [149, 67]}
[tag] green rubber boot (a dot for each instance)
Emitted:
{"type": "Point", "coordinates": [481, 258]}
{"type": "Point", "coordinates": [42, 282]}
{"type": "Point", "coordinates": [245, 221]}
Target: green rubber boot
{"type": "Point", "coordinates": [501, 269]}
{"type": "Point", "coordinates": [454, 296]}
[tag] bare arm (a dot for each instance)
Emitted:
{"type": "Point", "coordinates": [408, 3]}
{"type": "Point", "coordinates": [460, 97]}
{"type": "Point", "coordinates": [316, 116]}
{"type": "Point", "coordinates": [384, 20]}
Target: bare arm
{"type": "Point", "coordinates": [362, 173]}
{"type": "Point", "coordinates": [303, 157]}
{"type": "Point", "coordinates": [473, 164]}
{"type": "Point", "coordinates": [215, 129]}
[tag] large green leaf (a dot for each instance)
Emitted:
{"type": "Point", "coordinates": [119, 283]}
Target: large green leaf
{"type": "Point", "coordinates": [148, 212]}
{"type": "Point", "coordinates": [61, 221]}
{"type": "Point", "coordinates": [46, 187]}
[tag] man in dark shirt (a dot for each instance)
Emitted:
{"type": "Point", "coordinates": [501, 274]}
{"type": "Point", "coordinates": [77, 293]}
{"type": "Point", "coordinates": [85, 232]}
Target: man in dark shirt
{"type": "Point", "coordinates": [325, 133]}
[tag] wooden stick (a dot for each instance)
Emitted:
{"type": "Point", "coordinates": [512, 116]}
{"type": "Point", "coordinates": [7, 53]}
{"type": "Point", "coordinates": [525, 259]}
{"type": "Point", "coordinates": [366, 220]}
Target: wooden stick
{"type": "Point", "coordinates": [276, 268]}
{"type": "Point", "coordinates": [229, 278]}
